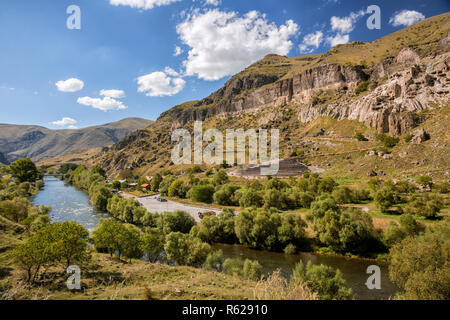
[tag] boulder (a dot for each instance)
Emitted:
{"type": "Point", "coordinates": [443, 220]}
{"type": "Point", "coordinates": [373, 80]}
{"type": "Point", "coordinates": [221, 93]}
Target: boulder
{"type": "Point", "coordinates": [420, 136]}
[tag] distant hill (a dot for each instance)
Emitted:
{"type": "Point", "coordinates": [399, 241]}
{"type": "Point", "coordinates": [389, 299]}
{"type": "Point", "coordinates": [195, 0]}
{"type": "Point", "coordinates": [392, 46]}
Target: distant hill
{"type": "Point", "coordinates": [38, 143]}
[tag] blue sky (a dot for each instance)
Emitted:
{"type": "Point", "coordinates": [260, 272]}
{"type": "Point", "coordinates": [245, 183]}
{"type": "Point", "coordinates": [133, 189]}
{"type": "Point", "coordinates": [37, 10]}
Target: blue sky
{"type": "Point", "coordinates": [129, 46]}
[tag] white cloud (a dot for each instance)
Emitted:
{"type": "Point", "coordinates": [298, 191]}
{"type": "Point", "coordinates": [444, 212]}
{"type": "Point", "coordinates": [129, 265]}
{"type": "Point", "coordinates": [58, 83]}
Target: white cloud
{"type": "Point", "coordinates": [142, 4]}
{"type": "Point", "coordinates": [70, 85]}
{"type": "Point", "coordinates": [113, 93]}
{"type": "Point", "coordinates": [65, 122]}
{"type": "Point", "coordinates": [177, 51]}
{"type": "Point", "coordinates": [224, 43]}
{"type": "Point", "coordinates": [338, 39]}
{"type": "Point", "coordinates": [159, 84]}
{"type": "Point", "coordinates": [105, 104]}
{"type": "Point", "coordinates": [345, 24]}
{"type": "Point", "coordinates": [213, 2]}
{"type": "Point", "coordinates": [311, 41]}
{"type": "Point", "coordinates": [171, 72]}
{"type": "Point", "coordinates": [406, 18]}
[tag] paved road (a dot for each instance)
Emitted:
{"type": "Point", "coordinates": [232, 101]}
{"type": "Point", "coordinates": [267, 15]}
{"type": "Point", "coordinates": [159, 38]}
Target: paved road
{"type": "Point", "coordinates": [153, 205]}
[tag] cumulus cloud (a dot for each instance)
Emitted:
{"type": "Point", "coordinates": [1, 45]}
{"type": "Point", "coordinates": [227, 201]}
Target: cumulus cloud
{"type": "Point", "coordinates": [65, 122]}
{"type": "Point", "coordinates": [105, 104]}
{"type": "Point", "coordinates": [224, 43]}
{"type": "Point", "coordinates": [142, 4]}
{"type": "Point", "coordinates": [70, 85]}
{"type": "Point", "coordinates": [113, 93]}
{"type": "Point", "coordinates": [345, 24]}
{"type": "Point", "coordinates": [311, 41]}
{"type": "Point", "coordinates": [406, 18]}
{"type": "Point", "coordinates": [160, 84]}
{"type": "Point", "coordinates": [338, 39]}
{"type": "Point", "coordinates": [177, 51]}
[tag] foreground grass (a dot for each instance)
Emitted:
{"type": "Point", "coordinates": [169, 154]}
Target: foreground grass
{"type": "Point", "coordinates": [106, 278]}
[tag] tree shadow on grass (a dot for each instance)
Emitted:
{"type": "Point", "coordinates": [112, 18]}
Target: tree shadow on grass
{"type": "Point", "coordinates": [5, 272]}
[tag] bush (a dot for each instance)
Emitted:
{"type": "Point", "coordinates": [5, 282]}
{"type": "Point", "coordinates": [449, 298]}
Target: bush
{"type": "Point", "coordinates": [268, 230]}
{"type": "Point", "coordinates": [116, 238]}
{"type": "Point", "coordinates": [362, 87]}
{"type": "Point", "coordinates": [408, 227]}
{"type": "Point", "coordinates": [419, 265]}
{"type": "Point", "coordinates": [177, 189]}
{"type": "Point", "coordinates": [323, 280]}
{"type": "Point", "coordinates": [185, 249]}
{"type": "Point", "coordinates": [202, 193]}
{"type": "Point", "coordinates": [178, 221]}
{"type": "Point", "coordinates": [165, 185]}
{"type": "Point", "coordinates": [427, 206]}
{"type": "Point", "coordinates": [250, 198]}
{"type": "Point", "coordinates": [385, 199]}
{"type": "Point", "coordinates": [220, 178]}
{"type": "Point", "coordinates": [290, 249]}
{"type": "Point", "coordinates": [152, 245]}
{"type": "Point", "coordinates": [226, 195]}
{"type": "Point", "coordinates": [388, 141]}
{"type": "Point", "coordinates": [425, 181]}
{"type": "Point", "coordinates": [243, 268]}
{"type": "Point", "coordinates": [218, 229]}
{"type": "Point", "coordinates": [348, 231]}
{"type": "Point", "coordinates": [252, 270]}
{"type": "Point", "coordinates": [214, 261]}
{"type": "Point", "coordinates": [360, 137]}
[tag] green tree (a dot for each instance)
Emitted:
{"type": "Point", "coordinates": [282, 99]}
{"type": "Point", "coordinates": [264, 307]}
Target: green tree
{"type": "Point", "coordinates": [177, 189]}
{"type": "Point", "coordinates": [220, 178]}
{"type": "Point", "coordinates": [156, 181]}
{"type": "Point", "coordinates": [185, 249]}
{"type": "Point", "coordinates": [420, 266]}
{"type": "Point", "coordinates": [178, 221]}
{"type": "Point", "coordinates": [99, 170]}
{"type": "Point", "coordinates": [152, 245]}
{"type": "Point", "coordinates": [71, 242]}
{"type": "Point", "coordinates": [24, 170]}
{"type": "Point", "coordinates": [384, 199]}
{"type": "Point", "coordinates": [327, 282]}
{"type": "Point", "coordinates": [201, 193]}
{"type": "Point", "coordinates": [214, 261]}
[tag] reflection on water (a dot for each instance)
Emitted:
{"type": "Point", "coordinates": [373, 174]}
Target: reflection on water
{"type": "Point", "coordinates": [353, 270]}
{"type": "Point", "coordinates": [68, 204]}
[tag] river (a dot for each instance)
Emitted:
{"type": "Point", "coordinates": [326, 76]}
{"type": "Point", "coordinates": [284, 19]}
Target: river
{"type": "Point", "coordinates": [70, 204]}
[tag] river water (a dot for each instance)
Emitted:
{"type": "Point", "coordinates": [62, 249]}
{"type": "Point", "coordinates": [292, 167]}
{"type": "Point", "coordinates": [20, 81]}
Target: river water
{"type": "Point", "coordinates": [70, 204]}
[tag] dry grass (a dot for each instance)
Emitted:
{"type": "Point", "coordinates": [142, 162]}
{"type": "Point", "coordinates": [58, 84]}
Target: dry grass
{"type": "Point", "coordinates": [276, 287]}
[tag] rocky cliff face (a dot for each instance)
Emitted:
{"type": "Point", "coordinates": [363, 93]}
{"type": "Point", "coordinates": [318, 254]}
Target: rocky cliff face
{"type": "Point", "coordinates": [405, 85]}
{"type": "Point", "coordinates": [394, 106]}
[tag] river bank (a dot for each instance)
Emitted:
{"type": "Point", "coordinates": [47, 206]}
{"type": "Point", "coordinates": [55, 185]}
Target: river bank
{"type": "Point", "coordinates": [70, 204]}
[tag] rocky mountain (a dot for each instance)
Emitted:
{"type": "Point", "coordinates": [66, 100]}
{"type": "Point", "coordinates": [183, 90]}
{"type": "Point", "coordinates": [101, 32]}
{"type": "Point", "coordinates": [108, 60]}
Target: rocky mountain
{"type": "Point", "coordinates": [37, 143]}
{"type": "Point", "coordinates": [393, 85]}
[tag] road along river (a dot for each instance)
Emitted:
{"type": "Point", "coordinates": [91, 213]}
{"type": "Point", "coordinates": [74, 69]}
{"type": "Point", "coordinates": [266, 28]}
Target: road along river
{"type": "Point", "coordinates": [70, 204]}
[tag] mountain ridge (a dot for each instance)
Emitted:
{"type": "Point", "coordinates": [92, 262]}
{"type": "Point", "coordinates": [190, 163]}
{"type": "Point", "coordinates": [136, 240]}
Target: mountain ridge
{"type": "Point", "coordinates": [38, 142]}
